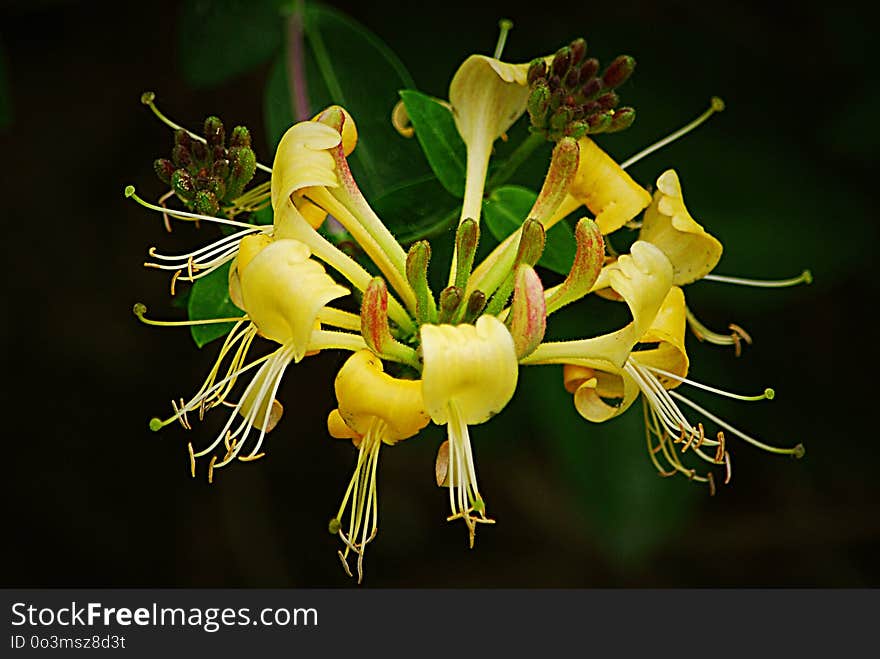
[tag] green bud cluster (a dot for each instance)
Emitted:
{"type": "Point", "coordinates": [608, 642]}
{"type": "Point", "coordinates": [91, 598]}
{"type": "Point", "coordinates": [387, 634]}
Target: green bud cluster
{"type": "Point", "coordinates": [208, 175]}
{"type": "Point", "coordinates": [570, 98]}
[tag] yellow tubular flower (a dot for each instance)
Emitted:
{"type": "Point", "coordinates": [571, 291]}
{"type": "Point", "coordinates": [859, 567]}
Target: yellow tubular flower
{"type": "Point", "coordinates": [593, 382]}
{"type": "Point", "coordinates": [283, 290]}
{"type": "Point", "coordinates": [601, 185]}
{"type": "Point", "coordinates": [668, 225]}
{"type": "Point", "coordinates": [642, 278]}
{"type": "Point", "coordinates": [469, 375]}
{"type": "Point", "coordinates": [487, 96]}
{"type": "Point", "coordinates": [374, 409]}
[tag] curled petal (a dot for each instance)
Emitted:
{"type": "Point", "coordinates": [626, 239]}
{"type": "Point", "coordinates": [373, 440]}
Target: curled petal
{"type": "Point", "coordinates": [473, 365]}
{"type": "Point", "coordinates": [365, 393]}
{"type": "Point", "coordinates": [283, 290]}
{"type": "Point", "coordinates": [303, 160]}
{"type": "Point", "coordinates": [668, 225]}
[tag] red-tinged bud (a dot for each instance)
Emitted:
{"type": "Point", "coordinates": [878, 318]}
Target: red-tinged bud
{"type": "Point", "coordinates": [181, 156]}
{"type": "Point", "coordinates": [599, 123]}
{"type": "Point", "coordinates": [591, 88]}
{"type": "Point", "coordinates": [578, 49]}
{"type": "Point", "coordinates": [215, 133]}
{"type": "Point", "coordinates": [608, 101]}
{"type": "Point", "coordinates": [538, 103]}
{"type": "Point", "coordinates": [475, 305]}
{"type": "Point", "coordinates": [588, 69]}
{"type": "Point", "coordinates": [241, 136]}
{"type": "Point", "coordinates": [450, 300]}
{"type": "Point", "coordinates": [182, 138]}
{"type": "Point", "coordinates": [164, 169]}
{"type": "Point", "coordinates": [561, 61]}
{"type": "Point", "coordinates": [623, 118]}
{"type": "Point", "coordinates": [537, 69]}
{"type": "Point", "coordinates": [619, 71]}
{"type": "Point", "coordinates": [199, 153]}
{"type": "Point", "coordinates": [588, 262]}
{"type": "Point", "coordinates": [374, 316]}
{"type": "Point", "coordinates": [528, 312]}
{"type": "Point", "coordinates": [220, 168]}
{"type": "Point", "coordinates": [572, 79]}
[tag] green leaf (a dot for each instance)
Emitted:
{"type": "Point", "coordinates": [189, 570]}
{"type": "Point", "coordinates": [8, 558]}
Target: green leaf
{"type": "Point", "coordinates": [348, 65]}
{"type": "Point", "coordinates": [219, 39]}
{"type": "Point", "coordinates": [506, 209]}
{"type": "Point", "coordinates": [436, 132]}
{"type": "Point", "coordinates": [417, 209]}
{"type": "Point", "coordinates": [209, 298]}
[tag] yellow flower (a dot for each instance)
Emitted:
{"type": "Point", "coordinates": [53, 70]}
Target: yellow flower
{"type": "Point", "coordinates": [470, 373]}
{"type": "Point", "coordinates": [602, 392]}
{"type": "Point", "coordinates": [605, 188]}
{"type": "Point", "coordinates": [487, 97]}
{"type": "Point", "coordinates": [668, 225]}
{"type": "Point", "coordinates": [285, 294]}
{"type": "Point", "coordinates": [374, 409]}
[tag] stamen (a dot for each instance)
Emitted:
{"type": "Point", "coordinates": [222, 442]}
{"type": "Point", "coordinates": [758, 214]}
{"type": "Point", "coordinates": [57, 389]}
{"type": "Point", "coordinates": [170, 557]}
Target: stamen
{"type": "Point", "coordinates": [728, 467]}
{"type": "Point", "coordinates": [211, 469]}
{"type": "Point", "coordinates": [715, 105]}
{"type": "Point", "coordinates": [806, 277]}
{"type": "Point", "coordinates": [768, 393]}
{"type": "Point", "coordinates": [505, 25]}
{"type": "Point", "coordinates": [167, 220]}
{"type": "Point", "coordinates": [796, 451]}
{"type": "Point", "coordinates": [140, 309]}
{"type": "Point", "coordinates": [149, 99]}
{"type": "Point", "coordinates": [184, 215]}
{"type": "Point", "coordinates": [711, 478]}
{"type": "Point", "coordinates": [703, 333]}
{"type": "Point", "coordinates": [192, 459]}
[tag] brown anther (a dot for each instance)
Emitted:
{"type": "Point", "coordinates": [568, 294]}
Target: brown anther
{"type": "Point", "coordinates": [692, 435]}
{"type": "Point", "coordinates": [344, 563]}
{"type": "Point", "coordinates": [728, 467]}
{"type": "Point", "coordinates": [680, 438]}
{"type": "Point", "coordinates": [192, 459]}
{"type": "Point", "coordinates": [702, 435]}
{"type": "Point", "coordinates": [174, 281]}
{"type": "Point", "coordinates": [741, 333]}
{"type": "Point", "coordinates": [719, 452]}
{"type": "Point", "coordinates": [211, 469]}
{"type": "Point", "coordinates": [189, 267]}
{"type": "Point", "coordinates": [710, 478]}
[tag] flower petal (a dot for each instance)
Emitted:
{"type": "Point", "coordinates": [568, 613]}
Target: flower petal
{"type": "Point", "coordinates": [669, 226]}
{"type": "Point", "coordinates": [303, 160]}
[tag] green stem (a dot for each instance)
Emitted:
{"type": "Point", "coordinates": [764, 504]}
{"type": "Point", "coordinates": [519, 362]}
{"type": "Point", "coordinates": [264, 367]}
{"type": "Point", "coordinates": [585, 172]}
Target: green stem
{"type": "Point", "coordinates": [517, 158]}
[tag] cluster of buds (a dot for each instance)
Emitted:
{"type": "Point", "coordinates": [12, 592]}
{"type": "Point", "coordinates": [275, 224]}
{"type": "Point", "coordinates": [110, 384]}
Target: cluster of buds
{"type": "Point", "coordinates": [458, 353]}
{"type": "Point", "coordinates": [569, 98]}
{"type": "Point", "coordinates": [208, 175]}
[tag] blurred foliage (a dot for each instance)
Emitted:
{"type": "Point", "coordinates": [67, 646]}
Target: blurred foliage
{"type": "Point", "coordinates": [504, 210]}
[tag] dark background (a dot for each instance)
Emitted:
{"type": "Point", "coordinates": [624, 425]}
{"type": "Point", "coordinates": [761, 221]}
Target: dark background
{"type": "Point", "coordinates": [782, 177]}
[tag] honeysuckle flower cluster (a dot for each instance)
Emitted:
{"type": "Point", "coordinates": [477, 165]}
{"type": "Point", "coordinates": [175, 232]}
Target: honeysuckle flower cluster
{"type": "Point", "coordinates": [449, 357]}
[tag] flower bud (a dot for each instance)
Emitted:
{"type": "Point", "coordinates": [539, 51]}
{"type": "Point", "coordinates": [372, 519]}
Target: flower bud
{"type": "Point", "coordinates": [528, 312]}
{"type": "Point", "coordinates": [619, 71]}
{"type": "Point", "coordinates": [215, 133]}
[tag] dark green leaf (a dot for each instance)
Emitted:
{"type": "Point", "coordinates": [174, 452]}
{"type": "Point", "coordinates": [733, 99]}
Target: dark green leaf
{"type": "Point", "coordinates": [439, 139]}
{"type": "Point", "coordinates": [507, 208]}
{"type": "Point", "coordinates": [209, 298]}
{"type": "Point", "coordinates": [417, 209]}
{"type": "Point", "coordinates": [219, 39]}
{"type": "Point", "coordinates": [347, 64]}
